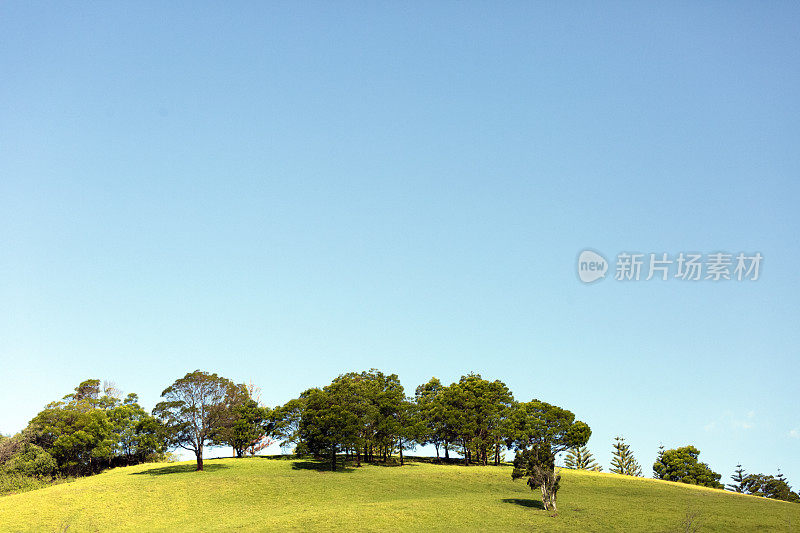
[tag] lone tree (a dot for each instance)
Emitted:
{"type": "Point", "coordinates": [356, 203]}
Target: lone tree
{"type": "Point", "coordinates": [738, 478]}
{"type": "Point", "coordinates": [194, 410]}
{"type": "Point", "coordinates": [682, 465]}
{"type": "Point", "coordinates": [539, 432]}
{"type": "Point", "coordinates": [623, 461]}
{"type": "Point", "coordinates": [580, 458]}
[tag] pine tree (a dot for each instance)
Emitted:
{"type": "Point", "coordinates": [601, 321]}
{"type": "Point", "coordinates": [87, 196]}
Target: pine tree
{"type": "Point", "coordinates": [623, 461]}
{"type": "Point", "coordinates": [656, 475]}
{"type": "Point", "coordinates": [581, 459]}
{"type": "Point", "coordinates": [739, 477]}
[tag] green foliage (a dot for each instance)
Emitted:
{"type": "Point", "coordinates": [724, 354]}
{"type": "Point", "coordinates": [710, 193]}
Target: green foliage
{"type": "Point", "coordinates": [138, 436]}
{"type": "Point", "coordinates": [475, 412]}
{"type": "Point", "coordinates": [31, 461]}
{"type": "Point", "coordinates": [538, 423]}
{"type": "Point", "coordinates": [285, 421]}
{"type": "Point", "coordinates": [244, 423]}
{"type": "Point", "coordinates": [539, 431]}
{"type": "Point", "coordinates": [88, 431]}
{"type": "Point", "coordinates": [682, 465]}
{"type": "Point", "coordinates": [579, 457]}
{"type": "Point", "coordinates": [429, 425]}
{"type": "Point", "coordinates": [12, 483]}
{"type": "Point", "coordinates": [538, 465]}
{"type": "Point", "coordinates": [364, 414]}
{"type": "Point", "coordinates": [194, 410]}
{"type": "Point", "coordinates": [738, 478]}
{"type": "Point", "coordinates": [330, 422]}
{"type": "Point", "coordinates": [623, 461]}
{"type": "Point", "coordinates": [766, 486]}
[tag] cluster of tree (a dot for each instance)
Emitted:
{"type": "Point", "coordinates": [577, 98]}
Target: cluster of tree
{"type": "Point", "coordinates": [622, 459]}
{"type": "Point", "coordinates": [88, 430]}
{"type": "Point", "coordinates": [94, 428]}
{"type": "Point", "coordinates": [362, 416]}
{"type": "Point", "coordinates": [367, 417]}
{"type": "Point", "coordinates": [767, 486]}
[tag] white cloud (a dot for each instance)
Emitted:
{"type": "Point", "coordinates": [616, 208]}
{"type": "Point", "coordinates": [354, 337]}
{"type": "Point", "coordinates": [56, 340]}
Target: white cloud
{"type": "Point", "coordinates": [795, 433]}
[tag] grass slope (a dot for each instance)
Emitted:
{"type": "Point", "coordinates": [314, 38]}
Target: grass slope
{"type": "Point", "coordinates": [286, 495]}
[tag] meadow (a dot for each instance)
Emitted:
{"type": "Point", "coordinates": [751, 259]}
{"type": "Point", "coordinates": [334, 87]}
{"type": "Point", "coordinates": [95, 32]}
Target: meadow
{"type": "Point", "coordinates": [270, 494]}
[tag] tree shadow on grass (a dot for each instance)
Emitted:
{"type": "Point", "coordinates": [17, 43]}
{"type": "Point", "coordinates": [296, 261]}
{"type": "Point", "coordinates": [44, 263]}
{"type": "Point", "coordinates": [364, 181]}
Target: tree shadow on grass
{"type": "Point", "coordinates": [525, 502]}
{"type": "Point", "coordinates": [320, 466]}
{"type": "Point", "coordinates": [391, 464]}
{"type": "Point", "coordinates": [180, 469]}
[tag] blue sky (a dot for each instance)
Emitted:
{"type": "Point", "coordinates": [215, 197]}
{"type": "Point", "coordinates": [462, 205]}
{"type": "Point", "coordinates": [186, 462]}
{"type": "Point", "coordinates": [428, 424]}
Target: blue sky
{"type": "Point", "coordinates": [282, 193]}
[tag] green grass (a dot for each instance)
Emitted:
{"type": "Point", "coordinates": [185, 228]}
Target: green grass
{"type": "Point", "coordinates": [291, 495]}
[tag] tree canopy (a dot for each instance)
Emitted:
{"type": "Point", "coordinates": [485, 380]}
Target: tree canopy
{"type": "Point", "coordinates": [194, 410]}
{"type": "Point", "coordinates": [682, 464]}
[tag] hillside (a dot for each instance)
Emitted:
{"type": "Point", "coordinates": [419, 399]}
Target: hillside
{"type": "Point", "coordinates": [286, 494]}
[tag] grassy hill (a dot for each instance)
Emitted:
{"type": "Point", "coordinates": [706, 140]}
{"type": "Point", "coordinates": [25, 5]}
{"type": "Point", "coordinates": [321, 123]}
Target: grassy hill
{"type": "Point", "coordinates": [285, 495]}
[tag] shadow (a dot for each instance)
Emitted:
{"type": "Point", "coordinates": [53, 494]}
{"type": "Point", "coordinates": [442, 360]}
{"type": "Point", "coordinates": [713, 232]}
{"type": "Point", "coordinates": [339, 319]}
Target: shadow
{"type": "Point", "coordinates": [525, 502]}
{"type": "Point", "coordinates": [320, 466]}
{"type": "Point", "coordinates": [391, 464]}
{"type": "Point", "coordinates": [180, 469]}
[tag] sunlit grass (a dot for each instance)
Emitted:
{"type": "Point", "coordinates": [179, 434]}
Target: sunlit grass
{"type": "Point", "coordinates": [291, 495]}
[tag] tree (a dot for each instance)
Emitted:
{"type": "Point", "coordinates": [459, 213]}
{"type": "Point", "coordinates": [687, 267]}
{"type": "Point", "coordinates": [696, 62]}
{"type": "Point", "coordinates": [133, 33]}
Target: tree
{"type": "Point", "coordinates": [538, 465]}
{"type": "Point", "coordinates": [76, 433]}
{"type": "Point", "coordinates": [194, 410]}
{"type": "Point", "coordinates": [623, 461]}
{"type": "Point", "coordinates": [429, 422]}
{"type": "Point", "coordinates": [774, 487]}
{"type": "Point", "coordinates": [738, 478]}
{"type": "Point", "coordinates": [581, 458]}
{"type": "Point", "coordinates": [539, 432]}
{"type": "Point", "coordinates": [330, 421]}
{"type": "Point", "coordinates": [474, 414]}
{"type": "Point", "coordinates": [244, 423]}
{"type": "Point", "coordinates": [31, 460]}
{"type": "Point", "coordinates": [137, 436]}
{"type": "Point", "coordinates": [681, 464]}
{"type": "Point", "coordinates": [285, 420]}
{"type": "Point", "coordinates": [92, 428]}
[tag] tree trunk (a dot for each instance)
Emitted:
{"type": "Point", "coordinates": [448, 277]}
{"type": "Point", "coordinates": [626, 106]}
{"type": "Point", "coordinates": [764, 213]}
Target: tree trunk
{"type": "Point", "coordinates": [548, 498]}
{"type": "Point", "coordinates": [333, 460]}
{"type": "Point", "coordinates": [446, 451]}
{"type": "Point", "coordinates": [437, 453]}
{"type": "Point", "coordinates": [401, 452]}
{"type": "Point", "coordinates": [199, 455]}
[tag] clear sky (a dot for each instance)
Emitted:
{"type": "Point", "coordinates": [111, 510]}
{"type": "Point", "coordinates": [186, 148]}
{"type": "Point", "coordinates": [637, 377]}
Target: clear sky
{"type": "Point", "coordinates": [282, 192]}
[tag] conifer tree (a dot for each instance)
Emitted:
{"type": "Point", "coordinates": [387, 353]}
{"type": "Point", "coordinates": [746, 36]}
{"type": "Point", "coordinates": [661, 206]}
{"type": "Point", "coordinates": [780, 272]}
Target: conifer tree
{"type": "Point", "coordinates": [660, 457]}
{"type": "Point", "coordinates": [738, 477]}
{"type": "Point", "coordinates": [581, 458]}
{"type": "Point", "coordinates": [623, 461]}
